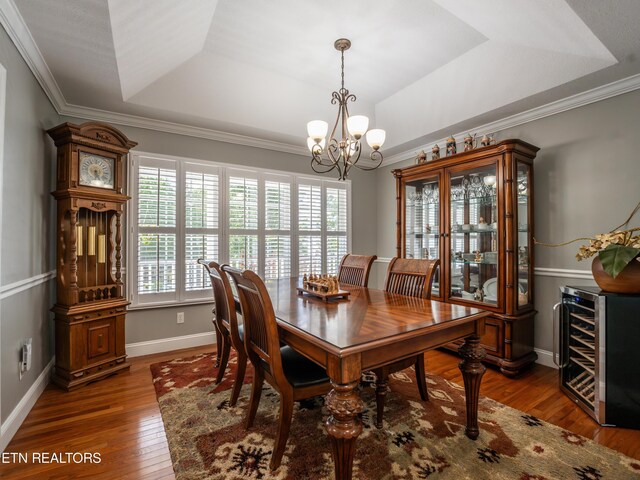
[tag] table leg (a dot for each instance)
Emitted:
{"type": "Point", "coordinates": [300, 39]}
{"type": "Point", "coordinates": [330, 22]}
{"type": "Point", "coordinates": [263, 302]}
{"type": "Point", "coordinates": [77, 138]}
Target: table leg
{"type": "Point", "coordinates": [343, 425]}
{"type": "Point", "coordinates": [472, 370]}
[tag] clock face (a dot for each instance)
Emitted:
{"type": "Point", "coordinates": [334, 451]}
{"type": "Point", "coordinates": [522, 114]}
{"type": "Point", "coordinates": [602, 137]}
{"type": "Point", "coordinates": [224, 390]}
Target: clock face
{"type": "Point", "coordinates": [96, 171]}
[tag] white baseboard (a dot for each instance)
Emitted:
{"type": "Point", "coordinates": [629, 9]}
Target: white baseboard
{"type": "Point", "coordinates": [20, 412]}
{"type": "Point", "coordinates": [545, 357]}
{"type": "Point", "coordinates": [167, 344]}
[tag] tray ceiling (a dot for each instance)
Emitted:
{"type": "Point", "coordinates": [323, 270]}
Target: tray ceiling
{"type": "Point", "coordinates": [419, 68]}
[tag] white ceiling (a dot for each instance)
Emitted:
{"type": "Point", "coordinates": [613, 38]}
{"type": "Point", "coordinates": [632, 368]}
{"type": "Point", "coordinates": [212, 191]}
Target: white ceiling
{"type": "Point", "coordinates": [419, 68]}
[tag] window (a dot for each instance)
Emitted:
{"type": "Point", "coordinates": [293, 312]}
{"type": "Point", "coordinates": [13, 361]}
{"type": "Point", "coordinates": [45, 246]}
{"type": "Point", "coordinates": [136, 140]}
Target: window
{"type": "Point", "coordinates": [277, 224]}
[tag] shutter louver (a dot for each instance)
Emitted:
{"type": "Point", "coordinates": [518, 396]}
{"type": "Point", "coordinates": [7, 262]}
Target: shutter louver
{"type": "Point", "coordinates": [309, 207]}
{"type": "Point", "coordinates": [201, 227]}
{"type": "Point", "coordinates": [310, 254]}
{"type": "Point", "coordinates": [156, 263]}
{"type": "Point", "coordinates": [336, 210]}
{"type": "Point", "coordinates": [201, 200]}
{"type": "Point", "coordinates": [277, 256]}
{"type": "Point", "coordinates": [336, 249]}
{"type": "Point", "coordinates": [277, 205]}
{"type": "Point", "coordinates": [157, 213]}
{"type": "Point", "coordinates": [243, 203]}
{"type": "Point", "coordinates": [243, 252]}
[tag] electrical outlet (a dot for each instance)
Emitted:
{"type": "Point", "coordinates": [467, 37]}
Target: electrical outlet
{"type": "Point", "coordinates": [25, 357]}
{"type": "Point", "coordinates": [180, 318]}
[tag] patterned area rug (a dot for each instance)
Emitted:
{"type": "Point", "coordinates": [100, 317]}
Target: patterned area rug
{"type": "Point", "coordinates": [421, 440]}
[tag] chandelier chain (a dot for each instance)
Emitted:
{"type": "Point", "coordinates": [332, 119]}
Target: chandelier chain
{"type": "Point", "coordinates": [342, 66]}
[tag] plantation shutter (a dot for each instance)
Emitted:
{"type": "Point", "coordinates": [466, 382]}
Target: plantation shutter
{"type": "Point", "coordinates": [156, 193]}
{"type": "Point", "coordinates": [336, 218]}
{"type": "Point", "coordinates": [310, 251]}
{"type": "Point", "coordinates": [201, 204]}
{"type": "Point", "coordinates": [277, 226]}
{"type": "Point", "coordinates": [243, 222]}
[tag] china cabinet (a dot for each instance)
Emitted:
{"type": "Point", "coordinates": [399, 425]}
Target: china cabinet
{"type": "Point", "coordinates": [90, 304]}
{"type": "Point", "coordinates": [474, 212]}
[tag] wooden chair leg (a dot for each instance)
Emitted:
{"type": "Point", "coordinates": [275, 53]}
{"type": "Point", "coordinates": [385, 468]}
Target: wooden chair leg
{"type": "Point", "coordinates": [237, 383]}
{"type": "Point", "coordinates": [218, 344]}
{"type": "Point", "coordinates": [381, 393]}
{"type": "Point", "coordinates": [286, 413]}
{"type": "Point", "coordinates": [226, 348]}
{"type": "Point", "coordinates": [420, 378]}
{"type": "Point", "coordinates": [256, 392]}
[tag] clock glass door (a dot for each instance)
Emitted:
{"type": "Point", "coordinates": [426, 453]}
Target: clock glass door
{"type": "Point", "coordinates": [474, 235]}
{"type": "Point", "coordinates": [422, 223]}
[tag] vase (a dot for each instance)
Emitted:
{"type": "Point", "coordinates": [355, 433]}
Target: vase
{"type": "Point", "coordinates": [627, 281]}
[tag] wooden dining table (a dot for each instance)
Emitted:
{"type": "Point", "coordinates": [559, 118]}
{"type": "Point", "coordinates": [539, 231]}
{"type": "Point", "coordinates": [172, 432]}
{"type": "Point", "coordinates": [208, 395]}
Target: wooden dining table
{"type": "Point", "coordinates": [370, 329]}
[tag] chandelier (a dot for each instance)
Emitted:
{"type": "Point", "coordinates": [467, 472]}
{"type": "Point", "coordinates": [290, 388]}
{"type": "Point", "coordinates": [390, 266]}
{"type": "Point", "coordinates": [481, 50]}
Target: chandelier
{"type": "Point", "coordinates": [344, 152]}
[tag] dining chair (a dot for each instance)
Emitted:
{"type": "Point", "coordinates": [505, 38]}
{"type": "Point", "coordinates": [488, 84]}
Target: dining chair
{"type": "Point", "coordinates": [413, 278]}
{"type": "Point", "coordinates": [354, 269]}
{"type": "Point", "coordinates": [229, 333]}
{"type": "Point", "coordinates": [291, 374]}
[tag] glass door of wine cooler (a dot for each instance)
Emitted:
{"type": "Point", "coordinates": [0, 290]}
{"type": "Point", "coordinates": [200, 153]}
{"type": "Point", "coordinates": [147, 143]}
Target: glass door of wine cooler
{"type": "Point", "coordinates": [473, 232]}
{"type": "Point", "coordinates": [422, 223]}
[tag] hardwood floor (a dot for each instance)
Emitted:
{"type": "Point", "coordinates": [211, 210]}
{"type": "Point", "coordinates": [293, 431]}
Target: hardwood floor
{"type": "Point", "coordinates": [119, 419]}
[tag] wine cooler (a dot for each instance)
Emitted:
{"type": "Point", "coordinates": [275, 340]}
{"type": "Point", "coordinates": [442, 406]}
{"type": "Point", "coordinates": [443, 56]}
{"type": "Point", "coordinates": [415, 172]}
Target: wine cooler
{"type": "Point", "coordinates": [599, 353]}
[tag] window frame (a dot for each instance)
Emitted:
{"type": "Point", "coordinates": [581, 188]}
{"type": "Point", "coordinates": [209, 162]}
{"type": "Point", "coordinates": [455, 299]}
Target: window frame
{"type": "Point", "coordinates": [224, 171]}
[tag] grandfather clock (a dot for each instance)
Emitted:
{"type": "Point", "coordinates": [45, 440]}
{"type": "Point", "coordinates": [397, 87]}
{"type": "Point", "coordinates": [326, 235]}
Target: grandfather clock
{"type": "Point", "coordinates": [91, 303]}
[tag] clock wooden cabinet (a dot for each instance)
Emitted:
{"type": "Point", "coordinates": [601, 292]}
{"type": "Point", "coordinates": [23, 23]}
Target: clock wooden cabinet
{"type": "Point", "coordinates": [90, 304]}
{"type": "Point", "coordinates": [474, 211]}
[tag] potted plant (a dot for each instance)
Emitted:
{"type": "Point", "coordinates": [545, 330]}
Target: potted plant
{"type": "Point", "coordinates": [616, 266]}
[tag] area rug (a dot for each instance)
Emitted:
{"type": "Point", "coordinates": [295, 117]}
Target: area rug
{"type": "Point", "coordinates": [420, 440]}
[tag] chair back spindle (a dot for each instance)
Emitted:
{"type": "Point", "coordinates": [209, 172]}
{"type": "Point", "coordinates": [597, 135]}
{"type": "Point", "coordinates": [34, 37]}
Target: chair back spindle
{"type": "Point", "coordinates": [411, 277]}
{"type": "Point", "coordinates": [355, 269]}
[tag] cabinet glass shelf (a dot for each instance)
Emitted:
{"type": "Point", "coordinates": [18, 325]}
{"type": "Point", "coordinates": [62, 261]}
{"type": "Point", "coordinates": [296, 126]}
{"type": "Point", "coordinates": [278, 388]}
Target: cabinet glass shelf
{"type": "Point", "coordinates": [473, 262]}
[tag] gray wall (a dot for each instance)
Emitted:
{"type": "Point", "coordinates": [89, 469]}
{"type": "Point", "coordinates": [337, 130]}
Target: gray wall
{"type": "Point", "coordinates": [152, 324]}
{"type": "Point", "coordinates": [27, 225]}
{"type": "Point", "coordinates": [587, 181]}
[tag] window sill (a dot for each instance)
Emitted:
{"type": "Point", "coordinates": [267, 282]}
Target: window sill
{"type": "Point", "coordinates": [185, 303]}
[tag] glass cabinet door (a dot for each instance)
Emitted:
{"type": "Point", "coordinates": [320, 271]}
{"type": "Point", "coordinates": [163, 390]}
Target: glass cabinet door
{"type": "Point", "coordinates": [422, 223]}
{"type": "Point", "coordinates": [474, 235]}
{"type": "Point", "coordinates": [523, 213]}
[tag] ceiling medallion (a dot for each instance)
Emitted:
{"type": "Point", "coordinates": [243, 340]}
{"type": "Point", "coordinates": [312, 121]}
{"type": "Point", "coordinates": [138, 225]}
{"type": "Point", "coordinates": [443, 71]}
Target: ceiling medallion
{"type": "Point", "coordinates": [343, 153]}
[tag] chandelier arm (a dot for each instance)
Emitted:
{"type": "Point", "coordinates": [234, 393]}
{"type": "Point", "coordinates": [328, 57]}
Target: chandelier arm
{"type": "Point", "coordinates": [353, 159]}
{"type": "Point", "coordinates": [321, 171]}
{"type": "Point", "coordinates": [377, 157]}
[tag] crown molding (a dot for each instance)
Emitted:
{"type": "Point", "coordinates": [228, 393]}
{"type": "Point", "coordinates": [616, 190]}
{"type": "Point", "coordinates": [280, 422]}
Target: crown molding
{"type": "Point", "coordinates": [596, 94]}
{"type": "Point", "coordinates": [17, 30]}
{"type": "Point", "coordinates": [179, 129]}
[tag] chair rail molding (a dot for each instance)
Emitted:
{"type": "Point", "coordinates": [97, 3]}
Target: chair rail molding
{"type": "Point", "coordinates": [26, 284]}
{"type": "Point", "coordinates": [17, 29]}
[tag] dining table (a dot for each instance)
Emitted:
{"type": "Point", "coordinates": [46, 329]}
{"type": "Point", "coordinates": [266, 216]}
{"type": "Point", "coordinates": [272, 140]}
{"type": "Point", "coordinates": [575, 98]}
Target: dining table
{"type": "Point", "coordinates": [368, 329]}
